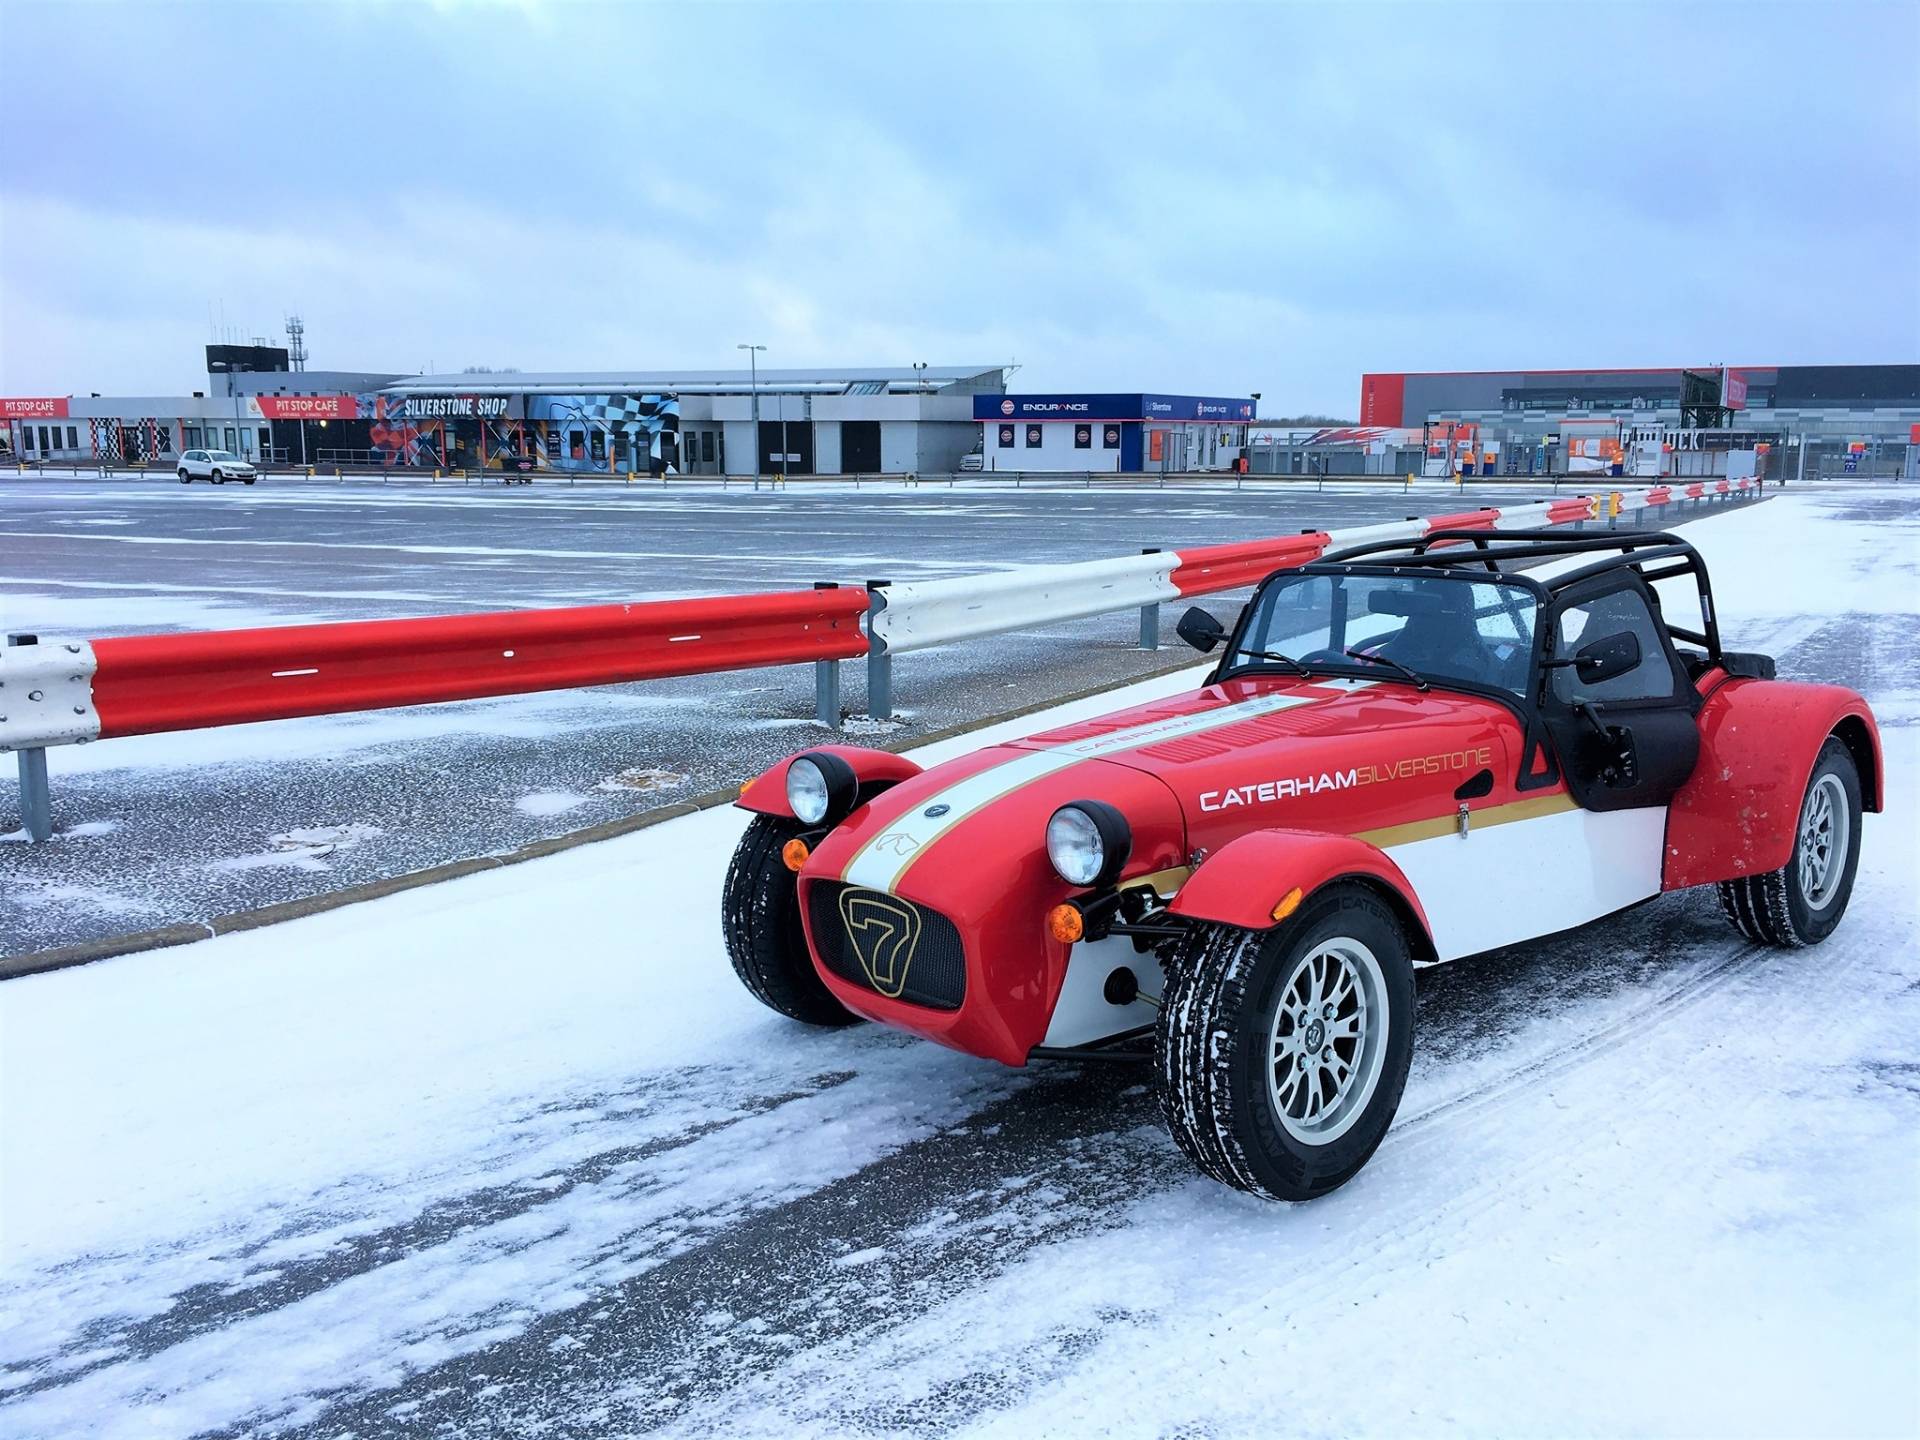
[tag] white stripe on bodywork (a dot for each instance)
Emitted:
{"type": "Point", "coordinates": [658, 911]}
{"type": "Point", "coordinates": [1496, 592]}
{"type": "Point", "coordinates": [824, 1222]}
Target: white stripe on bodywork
{"type": "Point", "coordinates": [880, 861]}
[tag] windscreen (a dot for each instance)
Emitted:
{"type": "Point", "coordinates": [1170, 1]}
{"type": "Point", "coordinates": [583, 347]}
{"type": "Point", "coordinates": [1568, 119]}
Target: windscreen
{"type": "Point", "coordinates": [1442, 627]}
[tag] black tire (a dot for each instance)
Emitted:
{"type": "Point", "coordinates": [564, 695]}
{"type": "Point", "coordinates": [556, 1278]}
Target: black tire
{"type": "Point", "coordinates": [217, 478]}
{"type": "Point", "coordinates": [760, 917]}
{"type": "Point", "coordinates": [185, 478]}
{"type": "Point", "coordinates": [1217, 1030]}
{"type": "Point", "coordinates": [1779, 908]}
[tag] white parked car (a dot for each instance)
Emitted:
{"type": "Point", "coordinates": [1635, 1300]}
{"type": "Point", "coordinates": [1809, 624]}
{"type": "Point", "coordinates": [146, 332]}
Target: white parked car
{"type": "Point", "coordinates": [973, 460]}
{"type": "Point", "coordinates": [219, 466]}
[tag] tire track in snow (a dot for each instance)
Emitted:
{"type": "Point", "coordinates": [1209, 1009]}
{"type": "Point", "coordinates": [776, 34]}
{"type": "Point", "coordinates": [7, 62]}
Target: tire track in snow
{"type": "Point", "coordinates": [1421, 1187]}
{"type": "Point", "coordinates": [907, 1235]}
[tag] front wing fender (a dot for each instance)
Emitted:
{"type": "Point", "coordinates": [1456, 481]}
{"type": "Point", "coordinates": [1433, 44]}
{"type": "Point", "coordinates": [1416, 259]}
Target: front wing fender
{"type": "Point", "coordinates": [766, 793]}
{"type": "Point", "coordinates": [1247, 879]}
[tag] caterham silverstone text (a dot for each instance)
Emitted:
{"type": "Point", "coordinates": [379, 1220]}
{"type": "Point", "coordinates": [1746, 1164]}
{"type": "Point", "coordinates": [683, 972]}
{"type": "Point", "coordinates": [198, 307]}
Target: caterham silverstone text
{"type": "Point", "coordinates": [1410, 752]}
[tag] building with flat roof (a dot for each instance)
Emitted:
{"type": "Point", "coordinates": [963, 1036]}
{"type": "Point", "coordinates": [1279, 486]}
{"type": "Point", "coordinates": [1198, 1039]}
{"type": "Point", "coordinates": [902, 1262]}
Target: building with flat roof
{"type": "Point", "coordinates": [1829, 412]}
{"type": "Point", "coordinates": [1127, 433]}
{"type": "Point", "coordinates": [836, 421]}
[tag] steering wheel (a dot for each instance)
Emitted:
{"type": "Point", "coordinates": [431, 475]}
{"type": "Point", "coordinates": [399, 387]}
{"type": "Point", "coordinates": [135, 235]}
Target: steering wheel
{"type": "Point", "coordinates": [1325, 657]}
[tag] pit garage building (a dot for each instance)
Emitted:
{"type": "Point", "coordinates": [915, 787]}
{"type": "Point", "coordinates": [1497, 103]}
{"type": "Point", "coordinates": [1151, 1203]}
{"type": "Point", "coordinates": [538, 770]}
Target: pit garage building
{"type": "Point", "coordinates": [1836, 419]}
{"type": "Point", "coordinates": [695, 422]}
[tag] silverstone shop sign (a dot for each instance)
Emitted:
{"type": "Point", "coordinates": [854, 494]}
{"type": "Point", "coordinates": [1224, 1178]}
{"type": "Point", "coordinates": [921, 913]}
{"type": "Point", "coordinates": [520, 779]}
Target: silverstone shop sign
{"type": "Point", "coordinates": [453, 407]}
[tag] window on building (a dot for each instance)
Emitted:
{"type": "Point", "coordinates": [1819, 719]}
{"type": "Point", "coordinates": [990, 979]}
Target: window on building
{"type": "Point", "coordinates": [44, 446]}
{"type": "Point", "coordinates": [231, 441]}
{"type": "Point", "coordinates": [706, 446]}
{"type": "Point", "coordinates": [597, 443]}
{"type": "Point", "coordinates": [193, 437]}
{"type": "Point", "coordinates": [73, 437]}
{"type": "Point", "coordinates": [162, 439]}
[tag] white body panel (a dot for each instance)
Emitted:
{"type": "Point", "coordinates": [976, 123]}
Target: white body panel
{"type": "Point", "coordinates": [1502, 884]}
{"type": "Point", "coordinates": [1083, 1013]}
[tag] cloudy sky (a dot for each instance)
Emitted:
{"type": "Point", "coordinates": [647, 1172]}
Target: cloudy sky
{"type": "Point", "coordinates": [1210, 198]}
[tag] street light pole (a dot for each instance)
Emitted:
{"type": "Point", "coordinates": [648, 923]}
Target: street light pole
{"type": "Point", "coordinates": [753, 383]}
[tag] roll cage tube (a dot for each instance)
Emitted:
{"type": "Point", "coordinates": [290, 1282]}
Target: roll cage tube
{"type": "Point", "coordinates": [1449, 550]}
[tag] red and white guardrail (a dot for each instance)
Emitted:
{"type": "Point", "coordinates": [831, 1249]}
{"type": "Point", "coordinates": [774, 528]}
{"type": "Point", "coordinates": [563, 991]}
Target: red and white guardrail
{"type": "Point", "coordinates": [918, 614]}
{"type": "Point", "coordinates": [63, 691]}
{"type": "Point", "coordinates": [67, 691]}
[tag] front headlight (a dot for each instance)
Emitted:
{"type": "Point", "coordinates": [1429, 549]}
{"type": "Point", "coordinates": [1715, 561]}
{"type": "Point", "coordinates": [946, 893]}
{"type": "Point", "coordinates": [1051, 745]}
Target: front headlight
{"type": "Point", "coordinates": [1088, 842]}
{"type": "Point", "coordinates": [820, 788]}
{"type": "Point", "coordinates": [807, 791]}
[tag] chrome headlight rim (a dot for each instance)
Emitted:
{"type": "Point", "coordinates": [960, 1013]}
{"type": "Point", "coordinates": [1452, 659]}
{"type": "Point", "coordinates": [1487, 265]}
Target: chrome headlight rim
{"type": "Point", "coordinates": [1088, 842]}
{"type": "Point", "coordinates": [821, 788]}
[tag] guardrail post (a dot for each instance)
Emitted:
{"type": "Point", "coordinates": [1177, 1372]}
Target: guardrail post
{"type": "Point", "coordinates": [36, 802]}
{"type": "Point", "coordinates": [1150, 614]}
{"type": "Point", "coordinates": [826, 680]}
{"type": "Point", "coordinates": [879, 662]}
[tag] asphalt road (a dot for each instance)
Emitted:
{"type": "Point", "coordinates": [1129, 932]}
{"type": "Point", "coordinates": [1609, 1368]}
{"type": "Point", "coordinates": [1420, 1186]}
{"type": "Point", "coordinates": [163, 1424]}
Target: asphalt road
{"type": "Point", "coordinates": [163, 829]}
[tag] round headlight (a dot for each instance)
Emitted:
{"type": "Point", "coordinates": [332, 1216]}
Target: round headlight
{"type": "Point", "coordinates": [821, 788]}
{"type": "Point", "coordinates": [1088, 842]}
{"type": "Point", "coordinates": [807, 791]}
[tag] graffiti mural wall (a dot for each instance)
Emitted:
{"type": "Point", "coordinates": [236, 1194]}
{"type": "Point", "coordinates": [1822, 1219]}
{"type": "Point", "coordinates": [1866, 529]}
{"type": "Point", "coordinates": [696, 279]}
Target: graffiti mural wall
{"type": "Point", "coordinates": [584, 434]}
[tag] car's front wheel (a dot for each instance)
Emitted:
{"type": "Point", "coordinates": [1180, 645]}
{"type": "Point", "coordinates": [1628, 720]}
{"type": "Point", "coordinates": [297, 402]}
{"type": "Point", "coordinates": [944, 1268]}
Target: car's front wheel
{"type": "Point", "coordinates": [1801, 902]}
{"type": "Point", "coordinates": [217, 478]}
{"type": "Point", "coordinates": [1282, 1053]}
{"type": "Point", "coordinates": [760, 918]}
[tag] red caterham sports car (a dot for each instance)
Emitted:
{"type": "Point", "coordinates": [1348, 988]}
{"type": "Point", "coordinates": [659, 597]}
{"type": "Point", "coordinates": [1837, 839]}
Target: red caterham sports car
{"type": "Point", "coordinates": [1408, 752]}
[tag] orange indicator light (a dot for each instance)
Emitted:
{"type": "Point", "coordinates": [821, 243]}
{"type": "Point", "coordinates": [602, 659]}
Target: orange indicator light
{"type": "Point", "coordinates": [1066, 924]}
{"type": "Point", "coordinates": [794, 853]}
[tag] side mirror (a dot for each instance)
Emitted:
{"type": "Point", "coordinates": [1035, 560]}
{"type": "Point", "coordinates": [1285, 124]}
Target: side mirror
{"type": "Point", "coordinates": [1200, 630]}
{"type": "Point", "coordinates": [1606, 658]}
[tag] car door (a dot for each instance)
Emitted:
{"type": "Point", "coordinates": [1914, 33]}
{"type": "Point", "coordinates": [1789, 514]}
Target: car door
{"type": "Point", "coordinates": [1625, 734]}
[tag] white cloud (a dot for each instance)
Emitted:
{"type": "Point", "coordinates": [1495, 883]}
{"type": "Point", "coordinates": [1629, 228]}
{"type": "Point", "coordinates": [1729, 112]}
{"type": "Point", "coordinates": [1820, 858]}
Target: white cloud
{"type": "Point", "coordinates": [1219, 199]}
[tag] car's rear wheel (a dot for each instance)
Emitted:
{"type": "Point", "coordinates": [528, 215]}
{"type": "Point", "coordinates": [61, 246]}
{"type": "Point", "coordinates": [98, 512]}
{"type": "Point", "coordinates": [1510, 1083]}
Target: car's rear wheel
{"type": "Point", "coordinates": [760, 917]}
{"type": "Point", "coordinates": [1801, 902]}
{"type": "Point", "coordinates": [1282, 1053]}
{"type": "Point", "coordinates": [185, 478]}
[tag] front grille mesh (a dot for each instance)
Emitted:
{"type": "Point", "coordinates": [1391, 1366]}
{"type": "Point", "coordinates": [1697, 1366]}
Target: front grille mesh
{"type": "Point", "coordinates": [903, 951]}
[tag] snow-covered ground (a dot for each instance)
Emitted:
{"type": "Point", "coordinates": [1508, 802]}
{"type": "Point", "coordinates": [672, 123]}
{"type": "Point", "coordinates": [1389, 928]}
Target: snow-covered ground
{"type": "Point", "coordinates": [516, 1155]}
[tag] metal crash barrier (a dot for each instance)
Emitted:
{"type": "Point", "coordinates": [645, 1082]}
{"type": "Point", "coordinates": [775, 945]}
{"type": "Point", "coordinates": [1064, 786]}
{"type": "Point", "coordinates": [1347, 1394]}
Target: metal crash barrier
{"type": "Point", "coordinates": [63, 691]}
